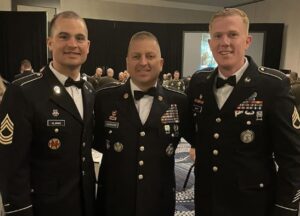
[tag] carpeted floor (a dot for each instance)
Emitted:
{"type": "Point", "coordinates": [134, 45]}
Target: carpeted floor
{"type": "Point", "coordinates": [184, 197]}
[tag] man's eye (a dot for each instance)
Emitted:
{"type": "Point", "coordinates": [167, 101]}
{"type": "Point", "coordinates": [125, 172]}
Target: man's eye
{"type": "Point", "coordinates": [80, 38]}
{"type": "Point", "coordinates": [234, 34]}
{"type": "Point", "coordinates": [217, 36]}
{"type": "Point", "coordinates": [64, 37]}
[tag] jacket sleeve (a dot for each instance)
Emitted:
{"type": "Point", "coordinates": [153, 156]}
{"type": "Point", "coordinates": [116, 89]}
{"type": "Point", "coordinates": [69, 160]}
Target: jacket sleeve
{"type": "Point", "coordinates": [15, 140]}
{"type": "Point", "coordinates": [284, 123]}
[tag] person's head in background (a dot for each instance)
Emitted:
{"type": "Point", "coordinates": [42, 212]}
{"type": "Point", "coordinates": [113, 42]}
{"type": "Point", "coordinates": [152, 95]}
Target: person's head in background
{"type": "Point", "coordinates": [144, 61]}
{"type": "Point", "coordinates": [98, 72]}
{"type": "Point", "coordinates": [25, 66]}
{"type": "Point", "coordinates": [126, 74]}
{"type": "Point", "coordinates": [176, 75]}
{"type": "Point", "coordinates": [68, 42]}
{"type": "Point", "coordinates": [2, 88]}
{"type": "Point", "coordinates": [110, 72]}
{"type": "Point", "coordinates": [165, 76]}
{"type": "Point", "coordinates": [121, 77]}
{"type": "Point", "coordinates": [169, 76]}
{"type": "Point", "coordinates": [229, 33]}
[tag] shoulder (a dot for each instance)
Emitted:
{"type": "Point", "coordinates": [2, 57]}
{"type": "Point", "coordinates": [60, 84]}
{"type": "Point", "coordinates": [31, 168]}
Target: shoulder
{"type": "Point", "coordinates": [89, 86]}
{"type": "Point", "coordinates": [271, 73]}
{"type": "Point", "coordinates": [27, 79]}
{"type": "Point", "coordinates": [174, 95]}
{"type": "Point", "coordinates": [173, 91]}
{"type": "Point", "coordinates": [201, 75]}
{"type": "Point", "coordinates": [107, 89]}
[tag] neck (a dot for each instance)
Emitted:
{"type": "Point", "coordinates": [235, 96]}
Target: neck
{"type": "Point", "coordinates": [229, 71]}
{"type": "Point", "coordinates": [67, 71]}
{"type": "Point", "coordinates": [144, 86]}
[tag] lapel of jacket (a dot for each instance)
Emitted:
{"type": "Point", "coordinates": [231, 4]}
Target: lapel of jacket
{"type": "Point", "coordinates": [208, 92]}
{"type": "Point", "coordinates": [88, 101]}
{"type": "Point", "coordinates": [126, 105]}
{"type": "Point", "coordinates": [60, 96]}
{"type": "Point", "coordinates": [243, 89]}
{"type": "Point", "coordinates": [159, 106]}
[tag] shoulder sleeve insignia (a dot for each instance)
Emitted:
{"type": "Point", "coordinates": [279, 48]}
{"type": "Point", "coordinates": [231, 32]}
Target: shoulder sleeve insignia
{"type": "Point", "coordinates": [296, 119]}
{"type": "Point", "coordinates": [6, 131]}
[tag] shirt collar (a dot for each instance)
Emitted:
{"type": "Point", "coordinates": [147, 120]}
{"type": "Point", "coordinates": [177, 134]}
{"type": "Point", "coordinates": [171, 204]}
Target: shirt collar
{"type": "Point", "coordinates": [134, 87]}
{"type": "Point", "coordinates": [239, 73]}
{"type": "Point", "coordinates": [61, 77]}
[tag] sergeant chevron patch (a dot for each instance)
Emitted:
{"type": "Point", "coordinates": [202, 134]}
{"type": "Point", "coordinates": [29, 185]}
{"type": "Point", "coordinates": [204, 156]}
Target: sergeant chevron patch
{"type": "Point", "coordinates": [296, 119]}
{"type": "Point", "coordinates": [6, 131]}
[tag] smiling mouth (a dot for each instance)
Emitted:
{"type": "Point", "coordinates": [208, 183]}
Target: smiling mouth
{"type": "Point", "coordinates": [72, 53]}
{"type": "Point", "coordinates": [225, 52]}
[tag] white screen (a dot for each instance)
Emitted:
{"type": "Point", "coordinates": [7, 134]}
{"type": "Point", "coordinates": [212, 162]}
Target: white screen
{"type": "Point", "coordinates": [197, 54]}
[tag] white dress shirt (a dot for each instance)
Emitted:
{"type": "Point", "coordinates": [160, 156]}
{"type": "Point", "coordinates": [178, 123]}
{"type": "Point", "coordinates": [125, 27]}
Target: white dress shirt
{"type": "Point", "coordinates": [74, 92]}
{"type": "Point", "coordinates": [143, 105]}
{"type": "Point", "coordinates": [223, 93]}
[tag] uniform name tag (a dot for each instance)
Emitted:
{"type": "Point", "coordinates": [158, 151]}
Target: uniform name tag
{"type": "Point", "coordinates": [56, 123]}
{"type": "Point", "coordinates": [111, 124]}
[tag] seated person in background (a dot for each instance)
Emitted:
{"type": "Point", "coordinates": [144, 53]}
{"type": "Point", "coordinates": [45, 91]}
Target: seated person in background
{"type": "Point", "coordinates": [25, 69]}
{"type": "Point", "coordinates": [110, 72]}
{"type": "Point", "coordinates": [176, 82]}
{"type": "Point", "coordinates": [122, 77]}
{"type": "Point", "coordinates": [95, 79]}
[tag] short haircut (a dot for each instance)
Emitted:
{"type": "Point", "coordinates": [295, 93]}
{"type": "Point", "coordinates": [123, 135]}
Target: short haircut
{"type": "Point", "coordinates": [230, 12]}
{"type": "Point", "coordinates": [141, 36]}
{"type": "Point", "coordinates": [66, 15]}
{"type": "Point", "coordinates": [26, 63]}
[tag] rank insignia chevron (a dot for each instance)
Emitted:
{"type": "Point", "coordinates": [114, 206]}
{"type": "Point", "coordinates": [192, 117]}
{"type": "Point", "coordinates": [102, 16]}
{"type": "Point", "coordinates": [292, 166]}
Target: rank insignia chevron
{"type": "Point", "coordinates": [6, 131]}
{"type": "Point", "coordinates": [296, 119]}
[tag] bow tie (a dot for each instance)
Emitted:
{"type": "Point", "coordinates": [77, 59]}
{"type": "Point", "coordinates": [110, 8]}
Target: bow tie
{"type": "Point", "coordinates": [69, 82]}
{"type": "Point", "coordinates": [230, 81]}
{"type": "Point", "coordinates": [139, 94]}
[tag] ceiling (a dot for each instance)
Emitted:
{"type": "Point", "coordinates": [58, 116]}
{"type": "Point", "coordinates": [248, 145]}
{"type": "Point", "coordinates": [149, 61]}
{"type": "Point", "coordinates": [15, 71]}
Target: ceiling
{"type": "Point", "coordinates": [202, 5]}
{"type": "Point", "coordinates": [217, 3]}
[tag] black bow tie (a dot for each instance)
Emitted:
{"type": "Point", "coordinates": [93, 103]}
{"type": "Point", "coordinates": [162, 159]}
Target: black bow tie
{"type": "Point", "coordinates": [221, 82]}
{"type": "Point", "coordinates": [69, 82]}
{"type": "Point", "coordinates": [139, 94]}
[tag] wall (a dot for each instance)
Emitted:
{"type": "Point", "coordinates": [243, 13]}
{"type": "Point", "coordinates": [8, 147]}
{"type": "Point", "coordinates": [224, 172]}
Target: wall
{"type": "Point", "coordinates": [5, 5]}
{"type": "Point", "coordinates": [279, 11]}
{"type": "Point", "coordinates": [96, 9]}
{"type": "Point", "coordinates": [268, 11]}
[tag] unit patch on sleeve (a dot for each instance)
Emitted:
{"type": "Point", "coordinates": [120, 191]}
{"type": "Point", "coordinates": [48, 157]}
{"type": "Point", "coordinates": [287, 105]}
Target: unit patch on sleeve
{"type": "Point", "coordinates": [6, 131]}
{"type": "Point", "coordinates": [296, 119]}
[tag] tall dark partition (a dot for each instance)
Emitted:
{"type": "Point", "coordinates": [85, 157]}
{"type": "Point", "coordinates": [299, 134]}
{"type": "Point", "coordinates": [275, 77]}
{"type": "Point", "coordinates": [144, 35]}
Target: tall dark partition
{"type": "Point", "coordinates": [109, 41]}
{"type": "Point", "coordinates": [22, 35]}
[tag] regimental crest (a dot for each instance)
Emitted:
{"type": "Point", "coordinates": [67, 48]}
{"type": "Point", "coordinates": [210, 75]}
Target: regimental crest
{"type": "Point", "coordinates": [6, 131]}
{"type": "Point", "coordinates": [295, 119]}
{"type": "Point", "coordinates": [55, 113]}
{"type": "Point", "coordinates": [54, 144]}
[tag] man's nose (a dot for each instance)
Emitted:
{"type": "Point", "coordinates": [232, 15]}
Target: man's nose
{"type": "Point", "coordinates": [143, 60]}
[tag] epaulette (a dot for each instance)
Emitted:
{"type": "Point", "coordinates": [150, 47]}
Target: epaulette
{"type": "Point", "coordinates": [173, 90]}
{"type": "Point", "coordinates": [110, 86]}
{"type": "Point", "coordinates": [271, 72]}
{"type": "Point", "coordinates": [27, 79]}
{"type": "Point", "coordinates": [89, 85]}
{"type": "Point", "coordinates": [202, 75]}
